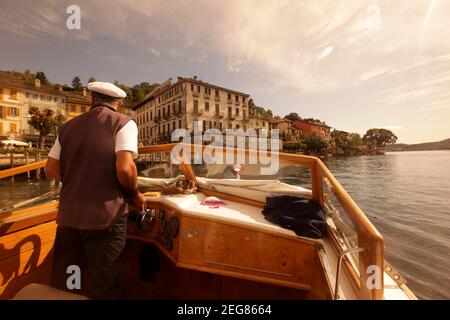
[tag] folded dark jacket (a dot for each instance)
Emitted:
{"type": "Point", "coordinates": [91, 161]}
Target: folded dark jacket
{"type": "Point", "coordinates": [304, 216]}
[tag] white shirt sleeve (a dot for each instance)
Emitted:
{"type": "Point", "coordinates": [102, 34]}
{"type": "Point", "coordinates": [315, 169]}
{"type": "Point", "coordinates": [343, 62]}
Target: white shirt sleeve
{"type": "Point", "coordinates": [56, 150]}
{"type": "Point", "coordinates": [127, 138]}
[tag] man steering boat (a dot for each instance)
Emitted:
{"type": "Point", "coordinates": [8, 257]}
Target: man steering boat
{"type": "Point", "coordinates": [93, 156]}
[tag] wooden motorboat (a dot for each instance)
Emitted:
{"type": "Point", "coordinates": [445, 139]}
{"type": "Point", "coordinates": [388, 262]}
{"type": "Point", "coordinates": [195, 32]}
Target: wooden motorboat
{"type": "Point", "coordinates": [180, 249]}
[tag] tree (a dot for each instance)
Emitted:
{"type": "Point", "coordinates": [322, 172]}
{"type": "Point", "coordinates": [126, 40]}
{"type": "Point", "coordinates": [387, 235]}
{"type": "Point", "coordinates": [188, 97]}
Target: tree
{"type": "Point", "coordinates": [315, 144]}
{"type": "Point", "coordinates": [42, 77]}
{"type": "Point", "coordinates": [379, 138]}
{"type": "Point", "coordinates": [66, 87]}
{"type": "Point", "coordinates": [344, 143]}
{"type": "Point", "coordinates": [292, 116]}
{"type": "Point", "coordinates": [28, 77]}
{"type": "Point", "coordinates": [139, 91]}
{"type": "Point", "coordinates": [76, 84]}
{"type": "Point", "coordinates": [339, 141]}
{"type": "Point", "coordinates": [355, 140]}
{"type": "Point", "coordinates": [45, 121]}
{"type": "Point", "coordinates": [91, 79]}
{"type": "Point", "coordinates": [293, 146]}
{"type": "Point", "coordinates": [125, 88]}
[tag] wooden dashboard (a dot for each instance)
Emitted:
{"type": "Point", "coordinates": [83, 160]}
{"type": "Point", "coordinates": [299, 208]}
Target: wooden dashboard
{"type": "Point", "coordinates": [234, 240]}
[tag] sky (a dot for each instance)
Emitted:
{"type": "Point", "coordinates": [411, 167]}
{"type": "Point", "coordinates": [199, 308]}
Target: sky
{"type": "Point", "coordinates": [355, 64]}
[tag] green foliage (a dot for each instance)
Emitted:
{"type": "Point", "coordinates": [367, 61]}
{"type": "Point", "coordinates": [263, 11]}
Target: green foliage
{"type": "Point", "coordinates": [292, 116]}
{"type": "Point", "coordinates": [314, 144]}
{"type": "Point", "coordinates": [355, 140]}
{"type": "Point", "coordinates": [18, 150]}
{"type": "Point", "coordinates": [76, 84]}
{"type": "Point", "coordinates": [45, 122]}
{"type": "Point", "coordinates": [344, 143]}
{"type": "Point", "coordinates": [42, 77]}
{"type": "Point", "coordinates": [379, 138]}
{"type": "Point", "coordinates": [28, 77]}
{"type": "Point", "coordinates": [288, 137]}
{"type": "Point", "coordinates": [66, 87]}
{"type": "Point", "coordinates": [138, 92]}
{"type": "Point", "coordinates": [293, 145]}
{"type": "Point", "coordinates": [91, 79]}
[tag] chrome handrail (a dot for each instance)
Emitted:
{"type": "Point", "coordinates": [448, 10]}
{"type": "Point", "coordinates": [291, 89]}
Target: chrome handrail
{"type": "Point", "coordinates": [338, 271]}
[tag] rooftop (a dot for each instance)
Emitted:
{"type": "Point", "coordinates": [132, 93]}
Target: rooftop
{"type": "Point", "coordinates": [281, 120]}
{"type": "Point", "coordinates": [315, 122]}
{"type": "Point", "coordinates": [168, 85]}
{"type": "Point", "coordinates": [11, 80]}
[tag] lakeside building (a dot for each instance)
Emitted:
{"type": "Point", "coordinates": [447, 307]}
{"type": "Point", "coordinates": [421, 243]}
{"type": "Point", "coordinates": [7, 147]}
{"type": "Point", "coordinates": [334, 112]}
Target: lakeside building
{"type": "Point", "coordinates": [17, 97]}
{"type": "Point", "coordinates": [76, 104]}
{"type": "Point", "coordinates": [171, 106]}
{"type": "Point", "coordinates": [287, 131]}
{"type": "Point", "coordinates": [42, 97]}
{"type": "Point", "coordinates": [11, 103]}
{"type": "Point", "coordinates": [313, 127]}
{"type": "Point", "coordinates": [259, 118]}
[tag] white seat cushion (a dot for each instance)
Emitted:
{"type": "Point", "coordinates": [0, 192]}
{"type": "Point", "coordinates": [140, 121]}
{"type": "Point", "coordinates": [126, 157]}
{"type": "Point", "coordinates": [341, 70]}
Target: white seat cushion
{"type": "Point", "coordinates": [38, 291]}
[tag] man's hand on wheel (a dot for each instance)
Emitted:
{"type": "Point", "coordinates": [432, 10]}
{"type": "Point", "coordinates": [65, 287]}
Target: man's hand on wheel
{"type": "Point", "coordinates": [138, 202]}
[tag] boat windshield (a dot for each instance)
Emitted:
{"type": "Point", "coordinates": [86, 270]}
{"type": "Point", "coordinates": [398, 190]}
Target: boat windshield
{"type": "Point", "coordinates": [157, 165]}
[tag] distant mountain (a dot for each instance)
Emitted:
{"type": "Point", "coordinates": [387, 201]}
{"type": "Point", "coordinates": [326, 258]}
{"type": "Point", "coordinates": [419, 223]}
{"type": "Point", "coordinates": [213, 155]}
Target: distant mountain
{"type": "Point", "coordinates": [440, 145]}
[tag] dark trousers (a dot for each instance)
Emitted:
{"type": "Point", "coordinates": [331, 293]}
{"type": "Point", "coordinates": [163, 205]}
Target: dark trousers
{"type": "Point", "coordinates": [98, 254]}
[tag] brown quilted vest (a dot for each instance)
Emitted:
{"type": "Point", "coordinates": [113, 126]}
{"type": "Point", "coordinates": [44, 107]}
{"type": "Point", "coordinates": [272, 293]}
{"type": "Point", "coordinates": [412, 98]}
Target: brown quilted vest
{"type": "Point", "coordinates": [91, 196]}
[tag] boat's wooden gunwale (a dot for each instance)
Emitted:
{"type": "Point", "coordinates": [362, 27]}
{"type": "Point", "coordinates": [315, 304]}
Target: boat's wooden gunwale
{"type": "Point", "coordinates": [27, 218]}
{"type": "Point", "coordinates": [22, 169]}
{"type": "Point", "coordinates": [369, 238]}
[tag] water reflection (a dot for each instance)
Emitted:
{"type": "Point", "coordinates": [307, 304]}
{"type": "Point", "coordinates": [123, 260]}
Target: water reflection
{"type": "Point", "coordinates": [405, 194]}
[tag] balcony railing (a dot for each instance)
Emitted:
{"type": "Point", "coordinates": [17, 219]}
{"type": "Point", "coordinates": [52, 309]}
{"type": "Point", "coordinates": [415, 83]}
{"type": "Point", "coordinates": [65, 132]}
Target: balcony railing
{"type": "Point", "coordinates": [179, 111]}
{"type": "Point", "coordinates": [219, 115]}
{"type": "Point", "coordinates": [237, 102]}
{"type": "Point", "coordinates": [206, 96]}
{"type": "Point", "coordinates": [217, 98]}
{"type": "Point", "coordinates": [195, 93]}
{"type": "Point", "coordinates": [229, 101]}
{"type": "Point", "coordinates": [198, 111]}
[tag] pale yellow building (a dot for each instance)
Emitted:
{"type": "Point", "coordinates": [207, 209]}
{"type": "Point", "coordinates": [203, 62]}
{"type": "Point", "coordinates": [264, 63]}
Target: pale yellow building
{"type": "Point", "coordinates": [259, 118]}
{"type": "Point", "coordinates": [76, 104]}
{"type": "Point", "coordinates": [42, 97]}
{"type": "Point", "coordinates": [177, 105]}
{"type": "Point", "coordinates": [17, 97]}
{"type": "Point", "coordinates": [11, 112]}
{"type": "Point", "coordinates": [287, 131]}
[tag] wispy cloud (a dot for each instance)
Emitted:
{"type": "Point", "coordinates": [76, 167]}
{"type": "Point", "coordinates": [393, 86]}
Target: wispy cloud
{"type": "Point", "coordinates": [372, 74]}
{"type": "Point", "coordinates": [154, 51]}
{"type": "Point", "coordinates": [325, 53]}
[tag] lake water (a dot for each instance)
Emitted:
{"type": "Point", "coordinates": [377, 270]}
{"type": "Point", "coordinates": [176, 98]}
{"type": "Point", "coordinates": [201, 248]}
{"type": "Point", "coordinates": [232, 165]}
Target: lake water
{"type": "Point", "coordinates": [405, 194]}
{"type": "Point", "coordinates": [407, 197]}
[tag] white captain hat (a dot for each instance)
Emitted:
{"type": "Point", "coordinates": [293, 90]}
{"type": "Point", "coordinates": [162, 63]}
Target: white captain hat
{"type": "Point", "coordinates": [107, 89]}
